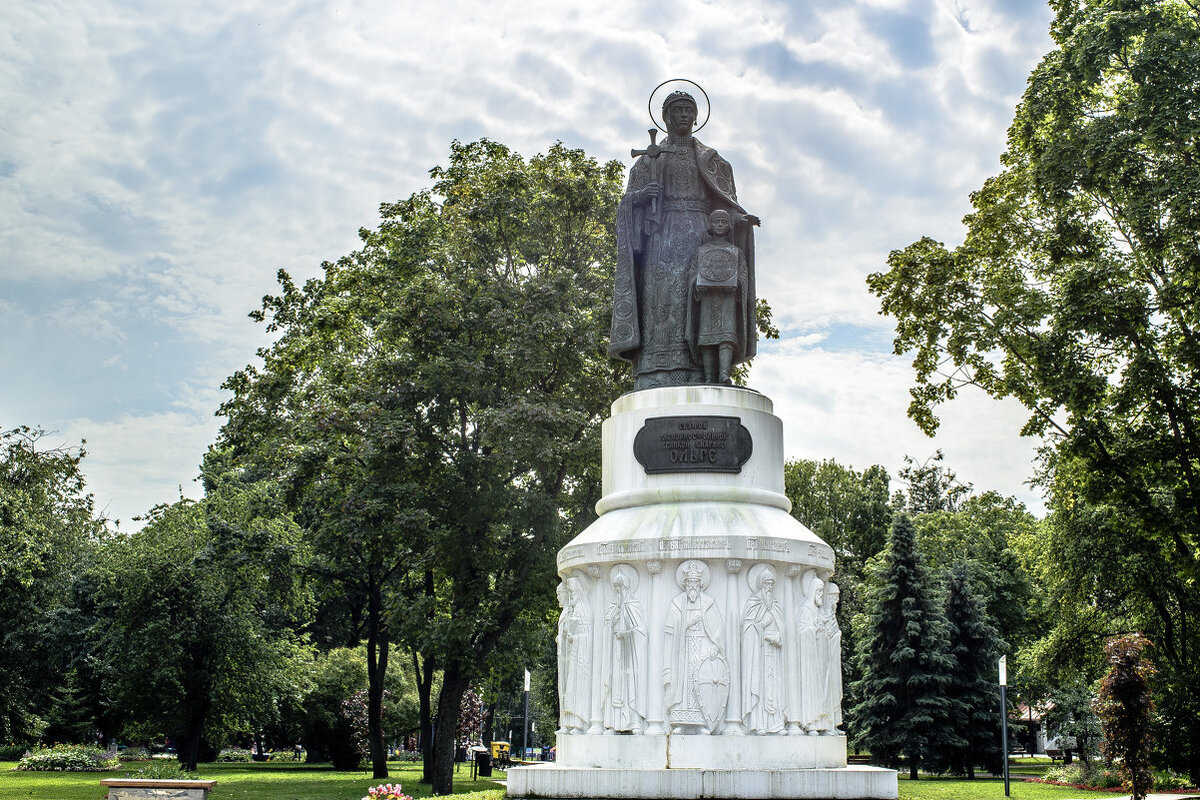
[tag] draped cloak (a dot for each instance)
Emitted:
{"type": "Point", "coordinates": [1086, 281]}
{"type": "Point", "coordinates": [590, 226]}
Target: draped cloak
{"type": "Point", "coordinates": [623, 660]}
{"type": "Point", "coordinates": [637, 225]}
{"type": "Point", "coordinates": [762, 666]}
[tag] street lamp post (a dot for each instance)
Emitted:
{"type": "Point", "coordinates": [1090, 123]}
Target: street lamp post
{"type": "Point", "coordinates": [525, 738]}
{"type": "Point", "coordinates": [1004, 717]}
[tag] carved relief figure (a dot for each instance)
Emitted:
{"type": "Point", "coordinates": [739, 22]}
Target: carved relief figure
{"type": "Point", "coordinates": [833, 658]}
{"type": "Point", "coordinates": [624, 656]}
{"type": "Point", "coordinates": [762, 644]}
{"type": "Point", "coordinates": [720, 279]}
{"type": "Point", "coordinates": [811, 632]}
{"type": "Point", "coordinates": [574, 656]}
{"type": "Point", "coordinates": [661, 221]}
{"type": "Point", "coordinates": [696, 674]}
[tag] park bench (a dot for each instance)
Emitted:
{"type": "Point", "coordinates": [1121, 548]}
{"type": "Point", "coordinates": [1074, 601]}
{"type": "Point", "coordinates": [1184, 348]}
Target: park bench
{"type": "Point", "coordinates": [149, 788]}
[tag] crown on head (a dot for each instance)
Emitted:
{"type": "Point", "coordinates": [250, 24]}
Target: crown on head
{"type": "Point", "coordinates": [677, 97]}
{"type": "Point", "coordinates": [693, 571]}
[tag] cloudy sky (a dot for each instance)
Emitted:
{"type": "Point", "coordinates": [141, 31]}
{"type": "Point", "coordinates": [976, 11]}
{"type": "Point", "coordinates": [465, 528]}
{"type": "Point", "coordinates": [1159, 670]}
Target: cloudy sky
{"type": "Point", "coordinates": [160, 161]}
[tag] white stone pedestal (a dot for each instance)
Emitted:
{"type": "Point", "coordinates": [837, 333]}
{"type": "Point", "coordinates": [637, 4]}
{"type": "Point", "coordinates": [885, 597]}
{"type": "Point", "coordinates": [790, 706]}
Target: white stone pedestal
{"type": "Point", "coordinates": [698, 656]}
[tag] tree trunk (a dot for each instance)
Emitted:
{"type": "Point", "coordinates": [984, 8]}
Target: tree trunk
{"type": "Point", "coordinates": [425, 700]}
{"type": "Point", "coordinates": [454, 685]}
{"type": "Point", "coordinates": [423, 669]}
{"type": "Point", "coordinates": [912, 768]}
{"type": "Point", "coordinates": [377, 657]}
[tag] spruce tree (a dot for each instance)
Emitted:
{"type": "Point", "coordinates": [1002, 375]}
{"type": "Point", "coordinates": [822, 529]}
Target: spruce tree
{"type": "Point", "coordinates": [904, 710]}
{"type": "Point", "coordinates": [975, 648]}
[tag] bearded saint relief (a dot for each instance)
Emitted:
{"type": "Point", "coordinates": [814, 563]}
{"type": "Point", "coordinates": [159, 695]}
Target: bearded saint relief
{"type": "Point", "coordinates": [833, 659]}
{"type": "Point", "coordinates": [574, 656]}
{"type": "Point", "coordinates": [624, 700]}
{"type": "Point", "coordinates": [762, 647]}
{"type": "Point", "coordinates": [696, 674]}
{"type": "Point", "coordinates": [813, 712]}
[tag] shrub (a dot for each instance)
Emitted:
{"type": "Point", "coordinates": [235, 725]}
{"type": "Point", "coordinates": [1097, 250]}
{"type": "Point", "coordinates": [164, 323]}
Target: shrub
{"type": "Point", "coordinates": [1126, 708]}
{"type": "Point", "coordinates": [1084, 775]}
{"type": "Point", "coordinates": [1165, 781]}
{"type": "Point", "coordinates": [134, 754]}
{"type": "Point", "coordinates": [164, 771]}
{"type": "Point", "coordinates": [235, 754]}
{"type": "Point", "coordinates": [1065, 774]}
{"type": "Point", "coordinates": [12, 752]}
{"type": "Point", "coordinates": [69, 758]}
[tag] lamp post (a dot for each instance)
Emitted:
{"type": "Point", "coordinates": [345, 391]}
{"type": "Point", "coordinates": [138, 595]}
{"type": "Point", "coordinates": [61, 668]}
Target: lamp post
{"type": "Point", "coordinates": [1004, 718]}
{"type": "Point", "coordinates": [525, 738]}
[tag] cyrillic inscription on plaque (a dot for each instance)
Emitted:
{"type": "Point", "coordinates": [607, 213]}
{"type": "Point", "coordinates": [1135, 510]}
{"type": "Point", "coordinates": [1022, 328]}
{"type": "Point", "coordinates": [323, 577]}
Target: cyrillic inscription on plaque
{"type": "Point", "coordinates": [692, 444]}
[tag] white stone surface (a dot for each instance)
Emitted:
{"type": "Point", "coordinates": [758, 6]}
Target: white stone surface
{"type": "Point", "coordinates": [841, 783]}
{"type": "Point", "coordinates": [696, 665]}
{"type": "Point", "coordinates": [701, 752]}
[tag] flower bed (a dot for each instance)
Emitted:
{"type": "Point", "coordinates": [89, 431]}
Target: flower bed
{"type": "Point", "coordinates": [69, 758]}
{"type": "Point", "coordinates": [387, 791]}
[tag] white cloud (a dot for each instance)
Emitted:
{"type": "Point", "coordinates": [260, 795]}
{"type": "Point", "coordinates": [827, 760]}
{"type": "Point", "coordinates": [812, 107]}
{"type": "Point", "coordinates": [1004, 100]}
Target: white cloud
{"type": "Point", "coordinates": [159, 162]}
{"type": "Point", "coordinates": [135, 462]}
{"type": "Point", "coordinates": [852, 407]}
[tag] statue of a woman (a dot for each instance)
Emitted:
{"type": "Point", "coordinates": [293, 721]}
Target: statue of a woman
{"type": "Point", "coordinates": [661, 221]}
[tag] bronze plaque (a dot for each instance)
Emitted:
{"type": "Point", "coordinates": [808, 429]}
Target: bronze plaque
{"type": "Point", "coordinates": [692, 444]}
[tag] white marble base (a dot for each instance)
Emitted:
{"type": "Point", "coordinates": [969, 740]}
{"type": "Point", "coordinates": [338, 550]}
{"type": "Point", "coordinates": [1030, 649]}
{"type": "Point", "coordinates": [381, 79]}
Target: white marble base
{"type": "Point", "coordinates": [842, 783]}
{"type": "Point", "coordinates": [650, 751]}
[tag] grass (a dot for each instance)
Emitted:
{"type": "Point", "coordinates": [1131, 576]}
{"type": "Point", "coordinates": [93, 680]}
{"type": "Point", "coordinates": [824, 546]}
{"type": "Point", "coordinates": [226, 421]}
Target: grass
{"type": "Point", "coordinates": [290, 781]}
{"type": "Point", "coordinates": [265, 781]}
{"type": "Point", "coordinates": [940, 788]}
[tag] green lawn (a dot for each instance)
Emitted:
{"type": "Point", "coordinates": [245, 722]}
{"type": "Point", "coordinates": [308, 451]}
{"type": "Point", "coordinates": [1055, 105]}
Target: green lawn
{"type": "Point", "coordinates": [939, 788]}
{"type": "Point", "coordinates": [288, 781]}
{"type": "Point", "coordinates": [280, 781]}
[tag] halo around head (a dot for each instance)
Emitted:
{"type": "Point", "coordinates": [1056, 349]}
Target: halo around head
{"type": "Point", "coordinates": [628, 573]}
{"type": "Point", "coordinates": [692, 566]}
{"type": "Point", "coordinates": [757, 574]}
{"type": "Point", "coordinates": [664, 89]}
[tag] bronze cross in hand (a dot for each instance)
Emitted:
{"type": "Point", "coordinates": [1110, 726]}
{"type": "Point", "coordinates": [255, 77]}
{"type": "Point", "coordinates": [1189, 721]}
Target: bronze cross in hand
{"type": "Point", "coordinates": [653, 150]}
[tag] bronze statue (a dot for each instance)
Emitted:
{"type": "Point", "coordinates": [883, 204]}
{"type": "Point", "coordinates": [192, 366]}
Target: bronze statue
{"type": "Point", "coordinates": [662, 223]}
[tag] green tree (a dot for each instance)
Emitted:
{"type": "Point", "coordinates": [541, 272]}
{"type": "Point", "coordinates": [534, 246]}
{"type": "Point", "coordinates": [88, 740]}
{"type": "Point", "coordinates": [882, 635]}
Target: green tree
{"type": "Point", "coordinates": [1075, 292]}
{"type": "Point", "coordinates": [199, 608]}
{"type": "Point", "coordinates": [1068, 714]}
{"type": "Point", "coordinates": [904, 706]}
{"type": "Point", "coordinates": [851, 513]}
{"type": "Point", "coordinates": [49, 533]}
{"type": "Point", "coordinates": [975, 648]}
{"type": "Point", "coordinates": [432, 406]}
{"type": "Point", "coordinates": [931, 487]}
{"type": "Point", "coordinates": [982, 535]}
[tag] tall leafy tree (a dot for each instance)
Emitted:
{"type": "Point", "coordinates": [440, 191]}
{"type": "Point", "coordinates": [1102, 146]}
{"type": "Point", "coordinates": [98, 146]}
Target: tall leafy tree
{"type": "Point", "coordinates": [433, 404]}
{"type": "Point", "coordinates": [1076, 292]}
{"type": "Point", "coordinates": [197, 609]}
{"type": "Point", "coordinates": [904, 707]}
{"type": "Point", "coordinates": [983, 535]}
{"type": "Point", "coordinates": [851, 512]}
{"type": "Point", "coordinates": [932, 486]}
{"type": "Point", "coordinates": [49, 533]}
{"type": "Point", "coordinates": [975, 649]}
